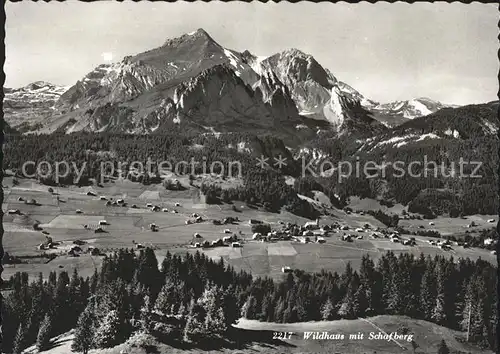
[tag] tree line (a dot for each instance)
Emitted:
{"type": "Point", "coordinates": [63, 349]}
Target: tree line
{"type": "Point", "coordinates": [193, 299]}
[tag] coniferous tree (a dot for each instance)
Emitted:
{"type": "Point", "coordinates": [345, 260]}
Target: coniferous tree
{"type": "Point", "coordinates": [443, 348]}
{"type": "Point", "coordinates": [108, 333]}
{"type": "Point", "coordinates": [84, 332]}
{"type": "Point", "coordinates": [20, 340]}
{"type": "Point", "coordinates": [43, 338]}
{"type": "Point", "coordinates": [328, 311]}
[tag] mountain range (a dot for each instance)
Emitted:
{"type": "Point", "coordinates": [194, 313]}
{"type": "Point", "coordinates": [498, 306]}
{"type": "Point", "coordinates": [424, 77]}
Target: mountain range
{"type": "Point", "coordinates": [192, 83]}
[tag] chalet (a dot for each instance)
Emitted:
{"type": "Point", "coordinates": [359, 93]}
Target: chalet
{"type": "Point", "coordinates": [149, 205]}
{"type": "Point", "coordinates": [139, 246]}
{"type": "Point", "coordinates": [360, 230]}
{"type": "Point", "coordinates": [133, 206]}
{"type": "Point", "coordinates": [197, 245]}
{"type": "Point", "coordinates": [155, 208]}
{"type": "Point", "coordinates": [153, 227]}
{"type": "Point", "coordinates": [286, 269]}
{"type": "Point", "coordinates": [431, 223]}
{"type": "Point", "coordinates": [102, 197]}
{"type": "Point", "coordinates": [344, 227]}
{"type": "Point", "coordinates": [20, 199]}
{"type": "Point", "coordinates": [491, 220]}
{"type": "Point", "coordinates": [254, 222]}
{"type": "Point", "coordinates": [256, 236]}
{"type": "Point", "coordinates": [227, 231]}
{"type": "Point", "coordinates": [493, 252]}
{"type": "Point", "coordinates": [360, 237]}
{"type": "Point", "coordinates": [120, 201]}
{"type": "Point", "coordinates": [206, 243]}
{"type": "Point", "coordinates": [472, 224]}
{"type": "Point", "coordinates": [395, 239]}
{"type": "Point", "coordinates": [103, 222]}
{"type": "Point", "coordinates": [177, 204]}
{"type": "Point", "coordinates": [78, 211]}
{"type": "Point", "coordinates": [217, 242]}
{"type": "Point", "coordinates": [320, 240]}
{"type": "Point", "coordinates": [227, 239]}
{"type": "Point", "coordinates": [197, 235]}
{"type": "Point", "coordinates": [312, 225]}
{"type": "Point", "coordinates": [194, 215]}
{"type": "Point", "coordinates": [174, 211]}
{"type": "Point", "coordinates": [42, 246]}
{"type": "Point", "coordinates": [188, 222]}
{"type": "Point", "coordinates": [229, 220]}
{"type": "Point", "coordinates": [14, 211]}
{"type": "Point", "coordinates": [346, 238]}
{"type": "Point", "coordinates": [90, 193]}
{"type": "Point", "coordinates": [199, 219]}
{"type": "Point", "coordinates": [235, 244]}
{"type": "Point", "coordinates": [488, 241]}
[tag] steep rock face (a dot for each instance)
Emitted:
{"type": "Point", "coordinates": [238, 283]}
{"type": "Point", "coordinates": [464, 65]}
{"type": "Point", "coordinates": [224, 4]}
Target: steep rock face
{"type": "Point", "coordinates": [24, 106]}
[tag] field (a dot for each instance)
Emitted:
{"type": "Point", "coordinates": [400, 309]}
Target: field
{"type": "Point", "coordinates": [256, 337]}
{"type": "Point", "coordinates": [56, 214]}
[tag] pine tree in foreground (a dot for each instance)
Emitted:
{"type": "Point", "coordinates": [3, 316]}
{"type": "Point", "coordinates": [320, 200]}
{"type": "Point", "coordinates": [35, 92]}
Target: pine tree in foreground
{"type": "Point", "coordinates": [43, 338]}
{"type": "Point", "coordinates": [443, 348]}
{"type": "Point", "coordinates": [20, 340]}
{"type": "Point", "coordinates": [84, 331]}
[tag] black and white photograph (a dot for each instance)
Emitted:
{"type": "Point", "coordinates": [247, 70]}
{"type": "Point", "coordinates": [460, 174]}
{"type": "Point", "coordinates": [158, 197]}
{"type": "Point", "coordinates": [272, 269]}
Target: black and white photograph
{"type": "Point", "coordinates": [250, 178]}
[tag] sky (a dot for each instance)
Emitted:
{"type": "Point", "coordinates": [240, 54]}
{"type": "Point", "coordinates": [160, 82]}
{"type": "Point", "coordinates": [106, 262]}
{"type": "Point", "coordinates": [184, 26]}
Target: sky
{"type": "Point", "coordinates": [388, 52]}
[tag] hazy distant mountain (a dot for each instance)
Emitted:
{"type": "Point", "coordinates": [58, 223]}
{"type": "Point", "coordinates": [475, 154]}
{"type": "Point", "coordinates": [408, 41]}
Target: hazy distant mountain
{"type": "Point", "coordinates": [192, 82]}
{"type": "Point", "coordinates": [26, 105]}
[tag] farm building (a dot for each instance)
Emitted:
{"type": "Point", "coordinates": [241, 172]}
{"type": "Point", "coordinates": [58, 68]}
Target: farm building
{"type": "Point", "coordinates": [217, 242]}
{"type": "Point", "coordinates": [227, 231]}
{"type": "Point", "coordinates": [133, 206]}
{"type": "Point", "coordinates": [155, 208]}
{"type": "Point", "coordinates": [139, 246]}
{"type": "Point", "coordinates": [14, 211]}
{"type": "Point", "coordinates": [199, 219]}
{"type": "Point", "coordinates": [431, 223]}
{"type": "Point", "coordinates": [227, 238]}
{"type": "Point", "coordinates": [103, 222]}
{"type": "Point", "coordinates": [236, 244]}
{"type": "Point", "coordinates": [188, 222]}
{"type": "Point", "coordinates": [312, 225]}
{"type": "Point", "coordinates": [165, 210]}
{"type": "Point", "coordinates": [229, 220]}
{"type": "Point", "coordinates": [254, 222]}
{"type": "Point", "coordinates": [360, 237]}
{"type": "Point", "coordinates": [177, 204]}
{"type": "Point", "coordinates": [102, 197]}
{"type": "Point", "coordinates": [493, 252]}
{"type": "Point", "coordinates": [194, 215]}
{"type": "Point", "coordinates": [346, 238]}
{"type": "Point", "coordinates": [320, 240]}
{"type": "Point", "coordinates": [149, 205]}
{"type": "Point", "coordinates": [206, 243]}
{"type": "Point", "coordinates": [491, 220]}
{"type": "Point", "coordinates": [20, 199]}
{"type": "Point", "coordinates": [489, 241]}
{"type": "Point", "coordinates": [90, 193]}
{"type": "Point", "coordinates": [344, 227]}
{"type": "Point", "coordinates": [153, 227]}
{"type": "Point", "coordinates": [197, 235]}
{"type": "Point", "coordinates": [120, 201]}
{"type": "Point", "coordinates": [256, 236]}
{"type": "Point", "coordinates": [78, 211]}
{"type": "Point", "coordinates": [174, 211]}
{"type": "Point", "coordinates": [197, 245]}
{"type": "Point", "coordinates": [286, 269]}
{"type": "Point", "coordinates": [359, 229]}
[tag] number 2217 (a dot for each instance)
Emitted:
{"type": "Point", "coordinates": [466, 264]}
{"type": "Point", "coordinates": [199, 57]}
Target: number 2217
{"type": "Point", "coordinates": [282, 335]}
